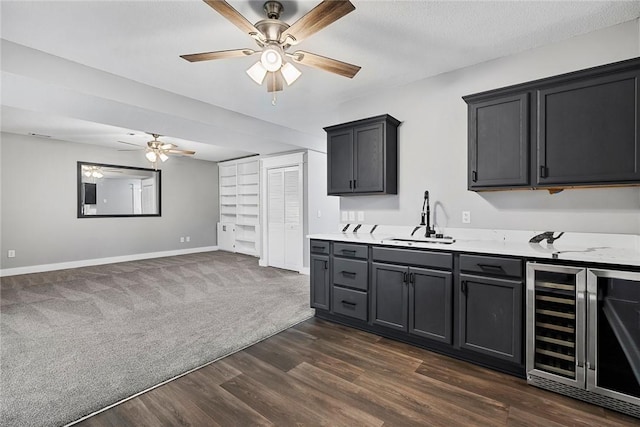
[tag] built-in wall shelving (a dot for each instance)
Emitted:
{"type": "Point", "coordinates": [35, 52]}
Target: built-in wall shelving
{"type": "Point", "coordinates": [240, 204]}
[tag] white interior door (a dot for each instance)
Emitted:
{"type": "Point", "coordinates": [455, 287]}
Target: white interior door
{"type": "Point", "coordinates": [284, 216]}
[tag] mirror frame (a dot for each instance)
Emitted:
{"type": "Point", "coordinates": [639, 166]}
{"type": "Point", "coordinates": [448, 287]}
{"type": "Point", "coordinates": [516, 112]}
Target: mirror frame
{"type": "Point", "coordinates": [79, 191]}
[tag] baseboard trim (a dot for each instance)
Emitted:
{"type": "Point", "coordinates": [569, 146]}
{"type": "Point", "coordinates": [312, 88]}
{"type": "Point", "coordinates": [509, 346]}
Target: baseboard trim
{"type": "Point", "coordinates": [100, 261]}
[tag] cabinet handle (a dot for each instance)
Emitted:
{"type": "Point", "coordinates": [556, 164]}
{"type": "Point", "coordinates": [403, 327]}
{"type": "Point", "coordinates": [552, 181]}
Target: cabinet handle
{"type": "Point", "coordinates": [543, 172]}
{"type": "Point", "coordinates": [491, 268]}
{"type": "Point", "coordinates": [354, 184]}
{"type": "Point", "coordinates": [412, 278]}
{"type": "Point", "coordinates": [326, 265]}
{"type": "Point", "coordinates": [348, 273]}
{"type": "Point", "coordinates": [318, 248]}
{"type": "Point", "coordinates": [463, 287]}
{"type": "Point", "coordinates": [474, 176]}
{"type": "Point", "coordinates": [350, 184]}
{"type": "Point", "coordinates": [404, 277]}
{"type": "Point", "coordinates": [352, 304]}
{"type": "Point", "coordinates": [348, 251]}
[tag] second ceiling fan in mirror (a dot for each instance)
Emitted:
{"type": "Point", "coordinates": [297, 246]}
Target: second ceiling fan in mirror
{"type": "Point", "coordinates": [274, 37]}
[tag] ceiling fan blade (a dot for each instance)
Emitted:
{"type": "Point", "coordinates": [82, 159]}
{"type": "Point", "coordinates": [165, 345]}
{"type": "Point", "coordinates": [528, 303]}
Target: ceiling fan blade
{"type": "Point", "coordinates": [183, 152]}
{"type": "Point", "coordinates": [226, 10]}
{"type": "Point", "coordinates": [133, 149]}
{"type": "Point", "coordinates": [319, 17]}
{"type": "Point", "coordinates": [220, 54]}
{"type": "Point", "coordinates": [274, 82]}
{"type": "Point", "coordinates": [168, 146]}
{"type": "Point", "coordinates": [327, 64]}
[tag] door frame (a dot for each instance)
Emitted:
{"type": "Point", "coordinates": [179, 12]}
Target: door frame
{"type": "Point", "coordinates": [277, 162]}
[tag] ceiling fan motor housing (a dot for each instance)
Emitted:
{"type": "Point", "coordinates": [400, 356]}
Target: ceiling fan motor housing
{"type": "Point", "coordinates": [273, 9]}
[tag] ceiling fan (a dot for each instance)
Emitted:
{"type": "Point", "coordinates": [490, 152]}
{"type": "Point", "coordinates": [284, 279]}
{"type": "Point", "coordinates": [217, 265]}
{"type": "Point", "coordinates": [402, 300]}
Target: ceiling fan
{"type": "Point", "coordinates": [159, 150]}
{"type": "Point", "coordinates": [274, 37]}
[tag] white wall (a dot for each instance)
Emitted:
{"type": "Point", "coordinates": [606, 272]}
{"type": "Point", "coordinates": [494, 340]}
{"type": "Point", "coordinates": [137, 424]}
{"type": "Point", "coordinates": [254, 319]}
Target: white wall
{"type": "Point", "coordinates": [322, 211]}
{"type": "Point", "coordinates": [39, 220]}
{"type": "Point", "coordinates": [433, 146]}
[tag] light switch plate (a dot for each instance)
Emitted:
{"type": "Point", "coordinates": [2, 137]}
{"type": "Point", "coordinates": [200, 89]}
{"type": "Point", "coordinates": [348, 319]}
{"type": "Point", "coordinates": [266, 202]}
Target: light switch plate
{"type": "Point", "coordinates": [352, 216]}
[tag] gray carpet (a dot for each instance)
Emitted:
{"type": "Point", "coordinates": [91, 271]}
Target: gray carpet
{"type": "Point", "coordinates": [75, 341]}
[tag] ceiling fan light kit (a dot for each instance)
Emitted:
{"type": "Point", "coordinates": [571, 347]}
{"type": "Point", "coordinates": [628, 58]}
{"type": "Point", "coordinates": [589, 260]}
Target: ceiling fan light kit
{"type": "Point", "coordinates": [274, 37]}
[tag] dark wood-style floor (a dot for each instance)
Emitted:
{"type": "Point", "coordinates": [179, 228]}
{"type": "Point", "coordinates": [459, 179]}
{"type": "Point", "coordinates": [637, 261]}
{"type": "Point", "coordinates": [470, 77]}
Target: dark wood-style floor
{"type": "Point", "coordinates": [320, 373]}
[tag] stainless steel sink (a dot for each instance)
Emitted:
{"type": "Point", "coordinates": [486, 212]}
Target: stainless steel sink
{"type": "Point", "coordinates": [445, 240]}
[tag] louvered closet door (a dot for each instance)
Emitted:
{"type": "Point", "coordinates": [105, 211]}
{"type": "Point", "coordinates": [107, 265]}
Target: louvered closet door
{"type": "Point", "coordinates": [285, 218]}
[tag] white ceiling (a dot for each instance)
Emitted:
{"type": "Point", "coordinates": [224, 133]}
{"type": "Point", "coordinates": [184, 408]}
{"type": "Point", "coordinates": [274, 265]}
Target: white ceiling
{"type": "Point", "coordinates": [395, 42]}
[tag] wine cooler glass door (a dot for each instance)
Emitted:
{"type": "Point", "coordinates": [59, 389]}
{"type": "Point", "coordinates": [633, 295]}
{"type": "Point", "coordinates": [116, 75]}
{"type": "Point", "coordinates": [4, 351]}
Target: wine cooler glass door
{"type": "Point", "coordinates": [614, 332]}
{"type": "Point", "coordinates": [556, 326]}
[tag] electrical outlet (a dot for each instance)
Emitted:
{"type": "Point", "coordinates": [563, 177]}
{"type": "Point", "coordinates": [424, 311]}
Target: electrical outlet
{"type": "Point", "coordinates": [181, 239]}
{"type": "Point", "coordinates": [352, 216]}
{"type": "Point", "coordinates": [319, 213]}
{"type": "Point", "coordinates": [11, 253]}
{"type": "Point", "coordinates": [466, 217]}
{"type": "Point", "coordinates": [344, 216]}
{"type": "Point", "coordinates": [188, 238]}
{"type": "Point", "coordinates": [360, 216]}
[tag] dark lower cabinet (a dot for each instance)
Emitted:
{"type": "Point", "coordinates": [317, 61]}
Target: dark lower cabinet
{"type": "Point", "coordinates": [491, 316]}
{"type": "Point", "coordinates": [320, 281]}
{"type": "Point", "coordinates": [431, 304]}
{"type": "Point", "coordinates": [414, 300]}
{"type": "Point", "coordinates": [389, 295]}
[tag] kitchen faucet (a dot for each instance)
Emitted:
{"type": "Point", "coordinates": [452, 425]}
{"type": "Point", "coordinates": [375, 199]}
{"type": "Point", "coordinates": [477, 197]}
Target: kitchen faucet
{"type": "Point", "coordinates": [426, 216]}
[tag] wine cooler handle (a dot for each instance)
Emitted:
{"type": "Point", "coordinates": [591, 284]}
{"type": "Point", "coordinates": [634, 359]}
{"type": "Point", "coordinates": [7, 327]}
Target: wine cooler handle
{"type": "Point", "coordinates": [591, 310]}
{"type": "Point", "coordinates": [580, 331]}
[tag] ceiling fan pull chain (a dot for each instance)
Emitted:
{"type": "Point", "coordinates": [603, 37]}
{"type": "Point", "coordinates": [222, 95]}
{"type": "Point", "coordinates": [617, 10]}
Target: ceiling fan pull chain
{"type": "Point", "coordinates": [273, 100]}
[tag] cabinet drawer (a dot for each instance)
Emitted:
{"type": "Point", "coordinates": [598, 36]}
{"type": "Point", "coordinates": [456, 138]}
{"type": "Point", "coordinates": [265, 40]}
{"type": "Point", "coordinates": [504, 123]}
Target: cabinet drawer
{"type": "Point", "coordinates": [410, 257]}
{"type": "Point", "coordinates": [350, 250]}
{"type": "Point", "coordinates": [350, 272]}
{"type": "Point", "coordinates": [494, 266]}
{"type": "Point", "coordinates": [350, 303]}
{"type": "Point", "coordinates": [319, 247]}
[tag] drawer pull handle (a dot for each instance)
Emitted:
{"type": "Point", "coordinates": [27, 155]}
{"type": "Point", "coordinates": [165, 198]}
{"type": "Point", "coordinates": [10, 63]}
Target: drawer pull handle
{"type": "Point", "coordinates": [318, 248]}
{"type": "Point", "coordinates": [349, 303]}
{"type": "Point", "coordinates": [348, 273]}
{"type": "Point", "coordinates": [491, 268]}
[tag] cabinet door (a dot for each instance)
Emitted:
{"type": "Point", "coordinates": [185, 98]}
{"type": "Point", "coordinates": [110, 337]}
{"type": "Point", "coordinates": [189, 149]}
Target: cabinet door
{"type": "Point", "coordinates": [340, 162]}
{"type": "Point", "coordinates": [588, 131]}
{"type": "Point", "coordinates": [320, 281]}
{"type": "Point", "coordinates": [369, 158]}
{"type": "Point", "coordinates": [491, 316]}
{"type": "Point", "coordinates": [499, 142]}
{"type": "Point", "coordinates": [389, 295]}
{"type": "Point", "coordinates": [430, 304]}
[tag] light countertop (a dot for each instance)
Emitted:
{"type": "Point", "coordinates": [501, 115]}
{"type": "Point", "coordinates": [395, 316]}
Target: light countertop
{"type": "Point", "coordinates": [621, 249]}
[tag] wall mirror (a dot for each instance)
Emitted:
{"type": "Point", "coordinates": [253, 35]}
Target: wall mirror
{"type": "Point", "coordinates": [114, 191]}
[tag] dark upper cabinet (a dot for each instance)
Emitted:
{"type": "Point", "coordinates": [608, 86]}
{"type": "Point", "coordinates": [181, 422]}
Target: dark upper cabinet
{"type": "Point", "coordinates": [588, 131]}
{"type": "Point", "coordinates": [576, 129]}
{"type": "Point", "coordinates": [320, 281]}
{"type": "Point", "coordinates": [491, 316]}
{"type": "Point", "coordinates": [499, 142]}
{"type": "Point", "coordinates": [362, 157]}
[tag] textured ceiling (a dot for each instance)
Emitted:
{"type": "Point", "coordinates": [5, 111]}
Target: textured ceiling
{"type": "Point", "coordinates": [395, 42]}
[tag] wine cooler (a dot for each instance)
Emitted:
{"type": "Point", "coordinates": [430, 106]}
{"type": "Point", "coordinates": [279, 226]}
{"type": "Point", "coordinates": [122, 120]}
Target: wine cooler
{"type": "Point", "coordinates": [583, 334]}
